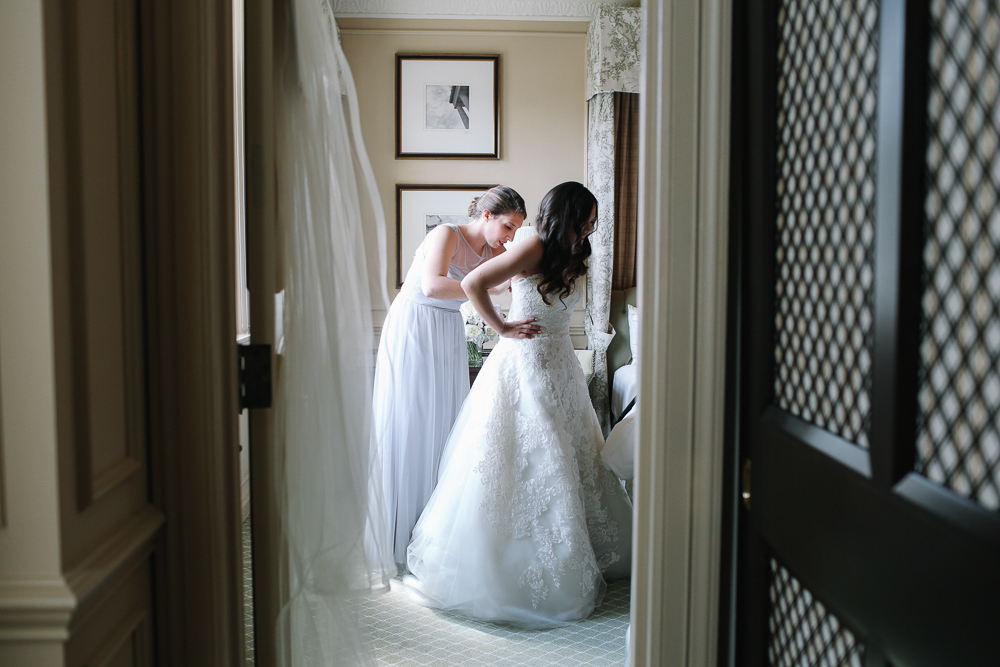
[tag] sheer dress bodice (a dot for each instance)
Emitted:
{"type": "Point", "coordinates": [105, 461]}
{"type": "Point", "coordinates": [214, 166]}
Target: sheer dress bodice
{"type": "Point", "coordinates": [462, 262]}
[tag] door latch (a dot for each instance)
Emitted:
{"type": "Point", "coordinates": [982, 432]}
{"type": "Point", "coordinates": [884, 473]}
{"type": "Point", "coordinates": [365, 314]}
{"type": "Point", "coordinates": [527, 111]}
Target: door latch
{"type": "Point", "coordinates": [254, 363]}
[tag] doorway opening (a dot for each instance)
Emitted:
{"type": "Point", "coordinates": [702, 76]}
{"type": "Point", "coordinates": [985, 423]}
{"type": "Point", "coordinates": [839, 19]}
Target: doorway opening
{"type": "Point", "coordinates": [601, 639]}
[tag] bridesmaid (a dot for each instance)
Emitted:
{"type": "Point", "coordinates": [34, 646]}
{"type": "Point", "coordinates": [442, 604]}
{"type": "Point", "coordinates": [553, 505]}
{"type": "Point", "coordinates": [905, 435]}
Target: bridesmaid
{"type": "Point", "coordinates": [422, 372]}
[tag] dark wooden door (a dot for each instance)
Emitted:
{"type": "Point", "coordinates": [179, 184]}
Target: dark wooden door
{"type": "Point", "coordinates": [867, 208]}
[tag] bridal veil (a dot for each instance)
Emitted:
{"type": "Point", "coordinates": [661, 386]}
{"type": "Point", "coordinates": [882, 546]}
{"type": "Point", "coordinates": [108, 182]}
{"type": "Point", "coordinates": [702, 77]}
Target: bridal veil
{"type": "Point", "coordinates": [325, 467]}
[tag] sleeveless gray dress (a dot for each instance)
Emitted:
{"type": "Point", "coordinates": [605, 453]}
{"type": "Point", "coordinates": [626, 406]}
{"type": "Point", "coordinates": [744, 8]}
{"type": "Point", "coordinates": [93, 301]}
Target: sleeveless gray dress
{"type": "Point", "coordinates": [421, 380]}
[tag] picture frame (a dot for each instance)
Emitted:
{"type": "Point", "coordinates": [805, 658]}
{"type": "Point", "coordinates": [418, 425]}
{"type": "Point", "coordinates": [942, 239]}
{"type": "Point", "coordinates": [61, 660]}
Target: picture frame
{"type": "Point", "coordinates": [447, 106]}
{"type": "Point", "coordinates": [420, 208]}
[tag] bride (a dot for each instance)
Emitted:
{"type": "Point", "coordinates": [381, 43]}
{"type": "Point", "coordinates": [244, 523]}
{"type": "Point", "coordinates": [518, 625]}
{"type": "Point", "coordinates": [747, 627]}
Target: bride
{"type": "Point", "coordinates": [525, 524]}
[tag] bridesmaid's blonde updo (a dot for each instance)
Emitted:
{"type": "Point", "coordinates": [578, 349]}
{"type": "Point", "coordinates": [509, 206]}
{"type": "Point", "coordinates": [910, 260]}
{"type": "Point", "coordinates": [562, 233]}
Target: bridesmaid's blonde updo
{"type": "Point", "coordinates": [498, 200]}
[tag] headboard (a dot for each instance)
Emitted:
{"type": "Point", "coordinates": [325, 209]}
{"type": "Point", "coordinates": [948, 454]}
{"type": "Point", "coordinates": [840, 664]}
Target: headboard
{"type": "Point", "coordinates": [619, 352]}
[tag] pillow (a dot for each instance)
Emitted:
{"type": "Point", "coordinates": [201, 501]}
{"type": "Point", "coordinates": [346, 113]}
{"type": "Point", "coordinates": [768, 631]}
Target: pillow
{"type": "Point", "coordinates": [633, 332]}
{"type": "Point", "coordinates": [618, 452]}
{"type": "Point", "coordinates": [586, 358]}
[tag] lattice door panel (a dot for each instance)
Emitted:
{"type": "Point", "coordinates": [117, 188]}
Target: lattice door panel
{"type": "Point", "coordinates": [827, 104]}
{"type": "Point", "coordinates": [958, 441]}
{"type": "Point", "coordinates": [802, 632]}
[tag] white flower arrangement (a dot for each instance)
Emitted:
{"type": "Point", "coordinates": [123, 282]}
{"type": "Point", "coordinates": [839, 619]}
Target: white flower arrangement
{"type": "Point", "coordinates": [476, 330]}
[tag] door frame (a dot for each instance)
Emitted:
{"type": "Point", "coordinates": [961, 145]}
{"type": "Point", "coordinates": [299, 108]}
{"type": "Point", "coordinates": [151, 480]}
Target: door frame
{"type": "Point", "coordinates": [684, 269]}
{"type": "Point", "coordinates": [684, 162]}
{"type": "Point", "coordinates": [188, 207]}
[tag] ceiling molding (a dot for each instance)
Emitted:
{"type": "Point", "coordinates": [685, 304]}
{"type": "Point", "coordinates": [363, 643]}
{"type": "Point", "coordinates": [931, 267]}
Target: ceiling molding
{"type": "Point", "coordinates": [539, 10]}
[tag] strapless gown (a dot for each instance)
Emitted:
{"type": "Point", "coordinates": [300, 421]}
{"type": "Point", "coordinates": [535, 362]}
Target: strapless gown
{"type": "Point", "coordinates": [525, 525]}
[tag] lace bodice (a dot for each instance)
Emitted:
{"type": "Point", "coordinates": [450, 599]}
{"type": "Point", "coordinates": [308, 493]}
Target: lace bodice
{"type": "Point", "coordinates": [527, 302]}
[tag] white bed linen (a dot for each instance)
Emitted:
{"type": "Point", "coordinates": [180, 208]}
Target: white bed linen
{"type": "Point", "coordinates": [619, 451]}
{"type": "Point", "coordinates": [624, 387]}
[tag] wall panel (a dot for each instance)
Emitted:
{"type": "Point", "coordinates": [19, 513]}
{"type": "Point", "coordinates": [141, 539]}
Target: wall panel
{"type": "Point", "coordinates": [107, 525]}
{"type": "Point", "coordinates": [97, 233]}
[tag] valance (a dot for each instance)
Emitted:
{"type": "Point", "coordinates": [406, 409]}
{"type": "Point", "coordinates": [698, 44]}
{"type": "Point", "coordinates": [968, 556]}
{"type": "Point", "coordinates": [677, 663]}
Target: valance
{"type": "Point", "coordinates": [613, 50]}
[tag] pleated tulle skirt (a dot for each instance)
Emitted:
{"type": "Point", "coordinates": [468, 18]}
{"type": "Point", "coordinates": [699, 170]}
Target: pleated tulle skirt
{"type": "Point", "coordinates": [421, 380]}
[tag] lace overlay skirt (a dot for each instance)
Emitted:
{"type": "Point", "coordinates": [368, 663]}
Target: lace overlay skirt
{"type": "Point", "coordinates": [525, 524]}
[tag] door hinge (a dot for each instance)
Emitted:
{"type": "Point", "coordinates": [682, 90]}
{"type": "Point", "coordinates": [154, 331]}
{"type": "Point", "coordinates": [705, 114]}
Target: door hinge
{"type": "Point", "coordinates": [254, 363]}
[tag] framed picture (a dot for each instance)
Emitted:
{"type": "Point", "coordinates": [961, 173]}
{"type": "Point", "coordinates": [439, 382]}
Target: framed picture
{"type": "Point", "coordinates": [421, 208]}
{"type": "Point", "coordinates": [447, 106]}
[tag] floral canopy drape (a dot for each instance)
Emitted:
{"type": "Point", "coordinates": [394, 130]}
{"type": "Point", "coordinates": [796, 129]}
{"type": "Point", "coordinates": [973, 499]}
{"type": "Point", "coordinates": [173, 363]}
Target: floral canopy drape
{"type": "Point", "coordinates": [612, 66]}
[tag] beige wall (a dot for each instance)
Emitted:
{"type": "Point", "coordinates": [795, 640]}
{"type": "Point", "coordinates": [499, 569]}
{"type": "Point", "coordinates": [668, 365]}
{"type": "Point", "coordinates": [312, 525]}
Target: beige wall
{"type": "Point", "coordinates": [543, 113]}
{"type": "Point", "coordinates": [29, 535]}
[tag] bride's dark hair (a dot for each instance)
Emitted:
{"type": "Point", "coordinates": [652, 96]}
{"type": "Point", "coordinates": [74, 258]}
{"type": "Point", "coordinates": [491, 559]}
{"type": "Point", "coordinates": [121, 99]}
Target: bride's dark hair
{"type": "Point", "coordinates": [562, 216]}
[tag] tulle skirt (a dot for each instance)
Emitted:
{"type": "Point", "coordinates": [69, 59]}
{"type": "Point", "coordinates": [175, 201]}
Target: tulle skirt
{"type": "Point", "coordinates": [525, 524]}
{"type": "Point", "coordinates": [421, 380]}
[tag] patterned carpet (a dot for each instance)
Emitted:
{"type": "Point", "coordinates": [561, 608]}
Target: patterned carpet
{"type": "Point", "coordinates": [247, 596]}
{"type": "Point", "coordinates": [404, 634]}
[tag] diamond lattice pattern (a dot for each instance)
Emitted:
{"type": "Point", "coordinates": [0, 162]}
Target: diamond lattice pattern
{"type": "Point", "coordinates": [827, 65]}
{"type": "Point", "coordinates": [803, 632]}
{"type": "Point", "coordinates": [958, 429]}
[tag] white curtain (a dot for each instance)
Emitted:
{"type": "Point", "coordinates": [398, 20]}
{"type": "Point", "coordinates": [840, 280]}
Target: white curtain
{"type": "Point", "coordinates": [327, 479]}
{"type": "Point", "coordinates": [612, 66]}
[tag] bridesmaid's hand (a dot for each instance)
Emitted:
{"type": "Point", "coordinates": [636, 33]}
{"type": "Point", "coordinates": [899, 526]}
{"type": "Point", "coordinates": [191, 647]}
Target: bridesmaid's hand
{"type": "Point", "coordinates": [522, 329]}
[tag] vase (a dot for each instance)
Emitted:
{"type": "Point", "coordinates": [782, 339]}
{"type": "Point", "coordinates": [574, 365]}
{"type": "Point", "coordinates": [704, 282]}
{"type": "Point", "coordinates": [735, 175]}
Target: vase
{"type": "Point", "coordinates": [475, 354]}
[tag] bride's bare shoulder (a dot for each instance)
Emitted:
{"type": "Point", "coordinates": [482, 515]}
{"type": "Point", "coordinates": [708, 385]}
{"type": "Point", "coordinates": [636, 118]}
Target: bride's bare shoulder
{"type": "Point", "coordinates": [529, 254]}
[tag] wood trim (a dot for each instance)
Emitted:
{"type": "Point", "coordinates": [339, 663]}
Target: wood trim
{"type": "Point", "coordinates": [118, 473]}
{"type": "Point", "coordinates": [78, 386]}
{"type": "Point", "coordinates": [3, 475]}
{"type": "Point", "coordinates": [102, 571]}
{"type": "Point", "coordinates": [91, 484]}
{"type": "Point", "coordinates": [262, 24]}
{"type": "Point", "coordinates": [400, 154]}
{"type": "Point", "coordinates": [189, 213]}
{"type": "Point", "coordinates": [35, 610]}
{"type": "Point", "coordinates": [125, 631]}
{"type": "Point", "coordinates": [130, 228]}
{"type": "Point", "coordinates": [683, 269]}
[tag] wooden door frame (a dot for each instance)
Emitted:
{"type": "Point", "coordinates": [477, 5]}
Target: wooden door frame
{"type": "Point", "coordinates": [684, 267]}
{"type": "Point", "coordinates": [684, 238]}
{"type": "Point", "coordinates": [188, 176]}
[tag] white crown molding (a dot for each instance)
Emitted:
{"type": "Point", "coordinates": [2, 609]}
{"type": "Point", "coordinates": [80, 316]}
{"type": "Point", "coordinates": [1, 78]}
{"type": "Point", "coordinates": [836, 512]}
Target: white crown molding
{"type": "Point", "coordinates": [525, 10]}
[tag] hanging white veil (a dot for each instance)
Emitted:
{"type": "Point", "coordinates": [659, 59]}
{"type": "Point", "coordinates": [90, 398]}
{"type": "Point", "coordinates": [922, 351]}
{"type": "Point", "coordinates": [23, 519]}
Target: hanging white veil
{"type": "Point", "coordinates": [327, 477]}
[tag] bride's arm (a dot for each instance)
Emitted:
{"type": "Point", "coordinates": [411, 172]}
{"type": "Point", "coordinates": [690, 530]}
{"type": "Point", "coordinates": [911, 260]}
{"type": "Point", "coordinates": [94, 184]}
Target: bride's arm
{"type": "Point", "coordinates": [521, 259]}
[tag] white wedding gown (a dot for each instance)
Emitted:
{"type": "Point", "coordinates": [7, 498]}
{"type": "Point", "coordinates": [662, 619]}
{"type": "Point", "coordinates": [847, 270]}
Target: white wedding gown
{"type": "Point", "coordinates": [525, 524]}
